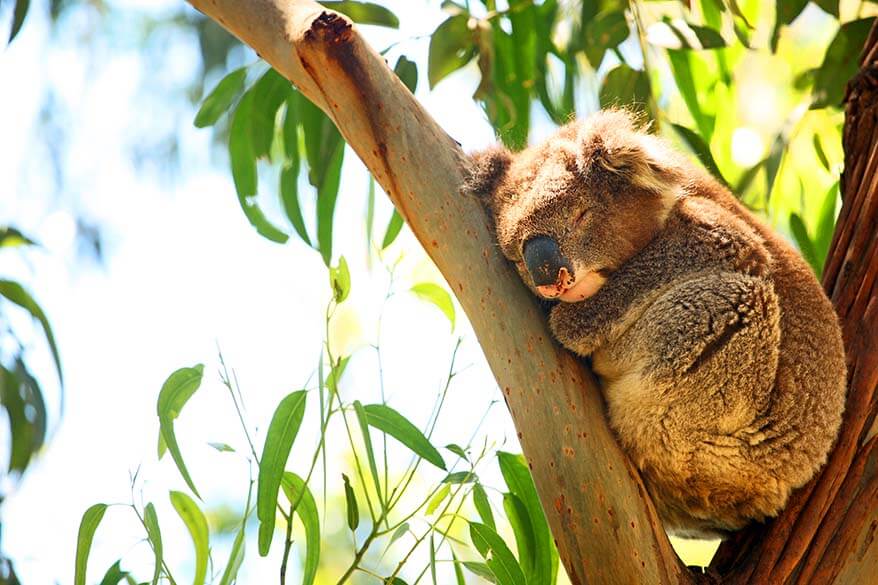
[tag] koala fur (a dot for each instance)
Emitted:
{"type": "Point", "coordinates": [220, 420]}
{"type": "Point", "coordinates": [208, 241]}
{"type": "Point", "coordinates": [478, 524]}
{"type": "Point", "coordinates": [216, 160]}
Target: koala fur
{"type": "Point", "coordinates": [720, 357]}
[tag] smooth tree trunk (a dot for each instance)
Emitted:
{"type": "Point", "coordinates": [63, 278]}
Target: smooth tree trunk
{"type": "Point", "coordinates": [601, 517]}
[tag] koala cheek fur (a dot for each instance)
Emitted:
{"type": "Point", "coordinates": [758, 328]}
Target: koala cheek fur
{"type": "Point", "coordinates": [720, 357]}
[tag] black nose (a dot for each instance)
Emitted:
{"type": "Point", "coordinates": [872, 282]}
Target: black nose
{"type": "Point", "coordinates": [544, 261]}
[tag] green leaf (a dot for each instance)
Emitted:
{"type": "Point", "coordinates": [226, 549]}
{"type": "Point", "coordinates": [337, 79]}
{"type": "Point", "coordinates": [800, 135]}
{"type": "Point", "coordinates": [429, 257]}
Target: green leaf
{"type": "Point", "coordinates": [525, 541]}
{"type": "Point", "coordinates": [803, 241]}
{"type": "Point", "coordinates": [15, 293]}
{"type": "Point", "coordinates": [296, 490]}
{"type": "Point", "coordinates": [681, 67]}
{"type": "Point", "coordinates": [370, 216]}
{"type": "Point", "coordinates": [22, 398]}
{"type": "Point", "coordinates": [353, 512]}
{"type": "Point", "coordinates": [269, 93]}
{"type": "Point", "coordinates": [10, 237]}
{"type": "Point", "coordinates": [336, 373]}
{"type": "Point", "coordinates": [21, 8]}
{"type": "Point", "coordinates": [701, 150]}
{"type": "Point", "coordinates": [438, 498]}
{"type": "Point", "coordinates": [154, 534]}
{"type": "Point", "coordinates": [220, 98]}
{"type": "Point", "coordinates": [451, 47]}
{"type": "Point", "coordinates": [497, 555]}
{"type": "Point", "coordinates": [689, 36]}
{"type": "Point", "coordinates": [519, 481]}
{"type": "Point", "coordinates": [327, 194]}
{"type": "Point", "coordinates": [435, 294]}
{"type": "Point", "coordinates": [115, 574]}
{"type": "Point", "coordinates": [432, 560]}
{"type": "Point", "coordinates": [87, 526]}
{"type": "Point", "coordinates": [222, 447]}
{"type": "Point", "coordinates": [605, 32]}
{"type": "Point", "coordinates": [242, 158]}
{"type": "Point", "coordinates": [828, 6]}
{"type": "Point", "coordinates": [821, 154]}
{"type": "Point", "coordinates": [460, 477]}
{"type": "Point", "coordinates": [162, 447]}
{"type": "Point", "coordinates": [624, 86]}
{"type": "Point", "coordinates": [481, 570]}
{"type": "Point", "coordinates": [825, 225]}
{"type": "Point", "coordinates": [458, 572]}
{"type": "Point", "coordinates": [370, 452]}
{"type": "Point", "coordinates": [483, 505]}
{"type": "Point", "coordinates": [289, 194]}
{"type": "Point", "coordinates": [457, 450]}
{"type": "Point", "coordinates": [407, 71]}
{"type": "Point", "coordinates": [196, 523]}
{"type": "Point", "coordinates": [840, 63]}
{"type": "Point", "coordinates": [175, 392]}
{"type": "Point", "coordinates": [394, 226]}
{"type": "Point", "coordinates": [385, 419]}
{"type": "Point", "coordinates": [279, 439]}
{"type": "Point", "coordinates": [364, 13]}
{"type": "Point", "coordinates": [340, 280]}
{"type": "Point", "coordinates": [236, 555]}
{"type": "Point", "coordinates": [787, 11]}
{"type": "Point", "coordinates": [399, 532]}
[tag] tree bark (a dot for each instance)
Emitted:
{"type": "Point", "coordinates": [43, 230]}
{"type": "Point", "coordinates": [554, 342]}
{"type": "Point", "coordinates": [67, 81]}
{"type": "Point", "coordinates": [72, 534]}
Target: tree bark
{"type": "Point", "coordinates": [827, 532]}
{"type": "Point", "coordinates": [602, 519]}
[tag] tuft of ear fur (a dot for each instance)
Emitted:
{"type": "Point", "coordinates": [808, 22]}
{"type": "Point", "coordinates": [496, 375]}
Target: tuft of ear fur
{"type": "Point", "coordinates": [486, 171]}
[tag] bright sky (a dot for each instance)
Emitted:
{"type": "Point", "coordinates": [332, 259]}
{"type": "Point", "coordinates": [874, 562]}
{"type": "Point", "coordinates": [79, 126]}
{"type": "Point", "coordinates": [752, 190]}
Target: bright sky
{"type": "Point", "coordinates": [184, 271]}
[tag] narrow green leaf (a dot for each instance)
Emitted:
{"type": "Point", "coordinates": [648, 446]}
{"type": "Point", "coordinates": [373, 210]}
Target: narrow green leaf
{"type": "Point", "coordinates": [690, 36]}
{"type": "Point", "coordinates": [394, 226]}
{"type": "Point", "coordinates": [327, 194]}
{"type": "Point", "coordinates": [840, 63]}
{"type": "Point", "coordinates": [242, 158]}
{"type": "Point", "coordinates": [407, 71]}
{"type": "Point", "coordinates": [236, 555]}
{"type": "Point", "coordinates": [289, 195]}
{"type": "Point", "coordinates": [10, 237]}
{"type": "Point", "coordinates": [175, 392]}
{"type": "Point", "coordinates": [483, 505]}
{"type": "Point", "coordinates": [624, 86]}
{"type": "Point", "coordinates": [525, 541]}
{"type": "Point", "coordinates": [22, 398]}
{"type": "Point", "coordinates": [787, 11]}
{"type": "Point", "coordinates": [222, 447]}
{"type": "Point", "coordinates": [336, 373]}
{"type": "Point", "coordinates": [370, 216]}
{"type": "Point", "coordinates": [21, 8]}
{"type": "Point", "coordinates": [196, 523]}
{"type": "Point", "coordinates": [115, 574]}
{"type": "Point", "coordinates": [435, 294]}
{"type": "Point", "coordinates": [803, 241]}
{"type": "Point", "coordinates": [519, 481]}
{"type": "Point", "coordinates": [340, 280]}
{"type": "Point", "coordinates": [353, 512]}
{"type": "Point", "coordinates": [438, 498]}
{"type": "Point", "coordinates": [279, 439]}
{"type": "Point", "coordinates": [497, 555]}
{"type": "Point", "coordinates": [154, 534]}
{"type": "Point", "coordinates": [269, 92]}
{"type": "Point", "coordinates": [15, 293]}
{"type": "Point", "coordinates": [458, 572]}
{"type": "Point", "coordinates": [399, 532]}
{"type": "Point", "coordinates": [681, 67]}
{"type": "Point", "coordinates": [367, 441]}
{"type": "Point", "coordinates": [87, 526]}
{"type": "Point", "coordinates": [452, 46]}
{"type": "Point", "coordinates": [701, 150]}
{"type": "Point", "coordinates": [605, 32]}
{"type": "Point", "coordinates": [220, 98]}
{"type": "Point", "coordinates": [296, 490]}
{"type": "Point", "coordinates": [385, 419]}
{"type": "Point", "coordinates": [460, 477]}
{"type": "Point", "coordinates": [828, 6]}
{"type": "Point", "coordinates": [481, 570]}
{"type": "Point", "coordinates": [825, 225]}
{"type": "Point", "coordinates": [821, 154]}
{"type": "Point", "coordinates": [162, 447]}
{"type": "Point", "coordinates": [432, 560]}
{"type": "Point", "coordinates": [457, 450]}
{"type": "Point", "coordinates": [364, 12]}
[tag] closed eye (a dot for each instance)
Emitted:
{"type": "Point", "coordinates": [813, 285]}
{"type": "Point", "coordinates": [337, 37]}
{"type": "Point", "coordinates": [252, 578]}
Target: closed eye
{"type": "Point", "coordinates": [580, 217]}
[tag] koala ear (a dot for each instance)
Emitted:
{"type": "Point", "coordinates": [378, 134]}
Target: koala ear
{"type": "Point", "coordinates": [487, 169]}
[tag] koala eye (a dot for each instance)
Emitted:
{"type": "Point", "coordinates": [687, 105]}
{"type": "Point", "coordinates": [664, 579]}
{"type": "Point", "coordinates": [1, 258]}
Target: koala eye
{"type": "Point", "coordinates": [580, 217]}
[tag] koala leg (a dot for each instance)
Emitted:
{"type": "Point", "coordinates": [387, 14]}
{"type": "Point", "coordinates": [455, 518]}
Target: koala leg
{"type": "Point", "coordinates": [692, 382]}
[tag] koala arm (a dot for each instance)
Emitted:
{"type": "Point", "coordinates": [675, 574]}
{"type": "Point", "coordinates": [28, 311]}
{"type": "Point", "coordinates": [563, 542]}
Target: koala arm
{"type": "Point", "coordinates": [685, 249]}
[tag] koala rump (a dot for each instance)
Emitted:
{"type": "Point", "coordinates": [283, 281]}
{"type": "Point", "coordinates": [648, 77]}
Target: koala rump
{"type": "Point", "coordinates": [719, 355]}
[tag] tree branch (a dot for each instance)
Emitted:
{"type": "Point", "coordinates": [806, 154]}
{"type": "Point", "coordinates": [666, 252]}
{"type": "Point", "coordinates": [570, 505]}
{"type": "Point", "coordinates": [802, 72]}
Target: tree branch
{"type": "Point", "coordinates": [602, 519]}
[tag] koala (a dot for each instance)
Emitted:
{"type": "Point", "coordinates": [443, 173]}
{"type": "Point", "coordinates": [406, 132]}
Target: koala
{"type": "Point", "coordinates": [719, 356]}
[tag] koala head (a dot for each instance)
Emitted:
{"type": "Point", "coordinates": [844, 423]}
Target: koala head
{"type": "Point", "coordinates": [570, 211]}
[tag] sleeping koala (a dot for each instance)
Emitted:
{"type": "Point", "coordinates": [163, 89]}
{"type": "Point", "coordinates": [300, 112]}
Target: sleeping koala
{"type": "Point", "coordinates": [720, 357]}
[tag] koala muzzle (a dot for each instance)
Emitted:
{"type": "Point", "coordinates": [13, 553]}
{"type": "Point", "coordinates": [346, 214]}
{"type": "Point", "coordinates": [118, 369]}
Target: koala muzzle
{"type": "Point", "coordinates": [544, 261]}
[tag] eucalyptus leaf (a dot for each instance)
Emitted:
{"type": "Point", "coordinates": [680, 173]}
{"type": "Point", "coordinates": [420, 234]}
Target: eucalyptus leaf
{"type": "Point", "coordinates": [154, 535]}
{"type": "Point", "coordinates": [525, 540]}
{"type": "Point", "coordinates": [21, 8]}
{"type": "Point", "coordinates": [394, 226]}
{"type": "Point", "coordinates": [624, 86]}
{"type": "Point", "coordinates": [840, 63]}
{"type": "Point", "coordinates": [353, 511]}
{"type": "Point", "coordinates": [300, 496]}
{"type": "Point", "coordinates": [16, 294]}
{"type": "Point", "coordinates": [115, 574]}
{"type": "Point", "coordinates": [803, 241]}
{"type": "Point", "coordinates": [701, 149]}
{"type": "Point", "coordinates": [340, 280]}
{"type": "Point", "coordinates": [11, 237]}
{"type": "Point", "coordinates": [87, 527]}
{"type": "Point", "coordinates": [438, 296]}
{"type": "Point", "coordinates": [364, 12]}
{"type": "Point", "coordinates": [497, 555]}
{"type": "Point", "coordinates": [279, 440]}
{"type": "Point", "coordinates": [385, 419]}
{"type": "Point", "coordinates": [438, 498]}
{"type": "Point", "coordinates": [451, 47]}
{"type": "Point", "coordinates": [220, 98]}
{"type": "Point", "coordinates": [370, 451]}
{"type": "Point", "coordinates": [480, 570]}
{"type": "Point", "coordinates": [175, 392]}
{"type": "Point", "coordinates": [407, 71]}
{"type": "Point", "coordinates": [483, 505]}
{"type": "Point", "coordinates": [196, 524]}
{"type": "Point", "coordinates": [327, 195]}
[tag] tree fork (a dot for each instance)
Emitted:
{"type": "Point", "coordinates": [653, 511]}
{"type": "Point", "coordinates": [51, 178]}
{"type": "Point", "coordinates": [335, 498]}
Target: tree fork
{"type": "Point", "coordinates": [604, 523]}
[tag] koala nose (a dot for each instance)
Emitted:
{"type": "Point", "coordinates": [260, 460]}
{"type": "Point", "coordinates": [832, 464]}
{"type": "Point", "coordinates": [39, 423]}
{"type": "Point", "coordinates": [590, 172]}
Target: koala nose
{"type": "Point", "coordinates": [544, 260]}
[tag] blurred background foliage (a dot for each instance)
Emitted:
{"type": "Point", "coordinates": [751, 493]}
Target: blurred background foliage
{"type": "Point", "coordinates": [752, 89]}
